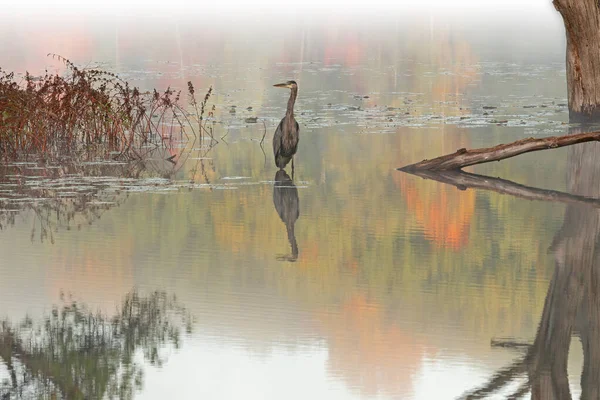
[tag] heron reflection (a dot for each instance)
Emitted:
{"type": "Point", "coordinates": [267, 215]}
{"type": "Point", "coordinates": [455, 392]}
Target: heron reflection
{"type": "Point", "coordinates": [285, 199]}
{"type": "Point", "coordinates": [286, 137]}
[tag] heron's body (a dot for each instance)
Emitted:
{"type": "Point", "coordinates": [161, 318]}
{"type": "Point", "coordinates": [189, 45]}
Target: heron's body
{"type": "Point", "coordinates": [285, 146]}
{"type": "Point", "coordinates": [287, 135]}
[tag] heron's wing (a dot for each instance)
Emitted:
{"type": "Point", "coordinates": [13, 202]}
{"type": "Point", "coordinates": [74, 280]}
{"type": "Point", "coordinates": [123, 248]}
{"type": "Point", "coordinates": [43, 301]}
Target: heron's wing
{"type": "Point", "coordinates": [297, 136]}
{"type": "Point", "coordinates": [277, 140]}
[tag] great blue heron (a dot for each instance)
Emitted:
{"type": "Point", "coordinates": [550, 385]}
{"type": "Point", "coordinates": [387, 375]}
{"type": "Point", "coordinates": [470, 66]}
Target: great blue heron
{"type": "Point", "coordinates": [285, 199]}
{"type": "Point", "coordinates": [285, 140]}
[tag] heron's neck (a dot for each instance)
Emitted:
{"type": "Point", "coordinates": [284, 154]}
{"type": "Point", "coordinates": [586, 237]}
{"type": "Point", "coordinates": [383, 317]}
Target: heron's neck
{"type": "Point", "coordinates": [291, 101]}
{"type": "Point", "coordinates": [292, 238]}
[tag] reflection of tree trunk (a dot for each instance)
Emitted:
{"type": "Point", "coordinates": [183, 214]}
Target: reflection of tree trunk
{"type": "Point", "coordinates": [584, 178]}
{"type": "Point", "coordinates": [572, 300]}
{"type": "Point", "coordinates": [548, 369]}
{"type": "Point", "coordinates": [590, 340]}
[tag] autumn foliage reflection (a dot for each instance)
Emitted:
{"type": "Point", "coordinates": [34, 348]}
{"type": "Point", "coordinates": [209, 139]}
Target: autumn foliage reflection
{"type": "Point", "coordinates": [366, 352]}
{"type": "Point", "coordinates": [75, 353]}
{"type": "Point", "coordinates": [444, 212]}
{"type": "Point", "coordinates": [361, 222]}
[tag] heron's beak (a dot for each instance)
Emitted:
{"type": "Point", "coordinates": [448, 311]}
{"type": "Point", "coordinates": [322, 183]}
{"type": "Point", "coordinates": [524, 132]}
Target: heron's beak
{"type": "Point", "coordinates": [282, 85]}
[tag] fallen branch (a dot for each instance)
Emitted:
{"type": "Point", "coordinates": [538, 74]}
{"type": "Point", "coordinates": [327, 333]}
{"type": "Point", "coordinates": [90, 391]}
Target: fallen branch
{"type": "Point", "coordinates": [510, 344]}
{"type": "Point", "coordinates": [463, 157]}
{"type": "Point", "coordinates": [502, 379]}
{"type": "Point", "coordinates": [465, 180]}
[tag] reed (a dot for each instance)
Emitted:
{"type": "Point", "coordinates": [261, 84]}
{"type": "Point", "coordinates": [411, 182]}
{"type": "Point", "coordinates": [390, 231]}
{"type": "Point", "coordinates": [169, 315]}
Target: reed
{"type": "Point", "coordinates": [91, 113]}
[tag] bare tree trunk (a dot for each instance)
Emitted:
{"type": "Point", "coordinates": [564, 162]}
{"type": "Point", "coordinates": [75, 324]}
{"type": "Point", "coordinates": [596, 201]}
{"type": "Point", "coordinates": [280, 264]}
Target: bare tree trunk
{"type": "Point", "coordinates": [582, 26]}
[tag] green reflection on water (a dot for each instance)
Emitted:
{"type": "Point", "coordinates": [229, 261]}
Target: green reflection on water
{"type": "Point", "coordinates": [390, 267]}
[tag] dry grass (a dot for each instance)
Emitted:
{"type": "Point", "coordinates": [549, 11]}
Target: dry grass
{"type": "Point", "coordinates": [90, 112]}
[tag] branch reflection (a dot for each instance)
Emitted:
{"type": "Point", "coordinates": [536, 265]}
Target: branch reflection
{"type": "Point", "coordinates": [572, 305]}
{"type": "Point", "coordinates": [465, 180]}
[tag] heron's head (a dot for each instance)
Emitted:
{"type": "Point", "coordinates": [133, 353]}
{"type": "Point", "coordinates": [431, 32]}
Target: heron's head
{"type": "Point", "coordinates": [288, 84]}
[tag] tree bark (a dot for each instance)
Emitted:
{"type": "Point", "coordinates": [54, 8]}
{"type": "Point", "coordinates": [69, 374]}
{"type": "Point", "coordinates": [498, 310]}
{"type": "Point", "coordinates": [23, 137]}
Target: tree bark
{"type": "Point", "coordinates": [582, 26]}
{"type": "Point", "coordinates": [463, 157]}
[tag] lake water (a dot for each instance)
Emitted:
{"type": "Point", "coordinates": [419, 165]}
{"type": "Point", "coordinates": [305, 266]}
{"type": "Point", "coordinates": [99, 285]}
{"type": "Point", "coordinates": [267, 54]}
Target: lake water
{"type": "Point", "coordinates": [385, 286]}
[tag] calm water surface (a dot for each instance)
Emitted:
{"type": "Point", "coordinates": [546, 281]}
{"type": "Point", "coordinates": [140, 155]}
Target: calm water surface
{"type": "Point", "coordinates": [385, 286]}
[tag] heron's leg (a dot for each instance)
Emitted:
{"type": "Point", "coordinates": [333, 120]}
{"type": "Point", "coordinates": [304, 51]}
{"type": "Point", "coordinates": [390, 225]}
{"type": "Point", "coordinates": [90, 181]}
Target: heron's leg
{"type": "Point", "coordinates": [292, 168]}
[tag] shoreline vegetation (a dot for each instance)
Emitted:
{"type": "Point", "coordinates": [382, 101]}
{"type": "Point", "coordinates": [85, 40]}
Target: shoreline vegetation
{"type": "Point", "coordinates": [93, 114]}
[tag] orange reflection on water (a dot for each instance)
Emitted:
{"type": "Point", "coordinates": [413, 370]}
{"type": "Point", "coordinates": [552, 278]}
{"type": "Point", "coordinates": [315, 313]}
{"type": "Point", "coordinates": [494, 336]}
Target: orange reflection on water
{"type": "Point", "coordinates": [344, 48]}
{"type": "Point", "coordinates": [444, 212]}
{"type": "Point", "coordinates": [369, 353]}
{"type": "Point", "coordinates": [99, 276]}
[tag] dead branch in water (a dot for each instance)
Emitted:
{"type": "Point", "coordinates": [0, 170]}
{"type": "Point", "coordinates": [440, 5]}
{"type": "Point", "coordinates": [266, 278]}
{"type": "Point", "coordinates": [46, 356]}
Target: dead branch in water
{"type": "Point", "coordinates": [463, 157]}
{"type": "Point", "coordinates": [510, 343]}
